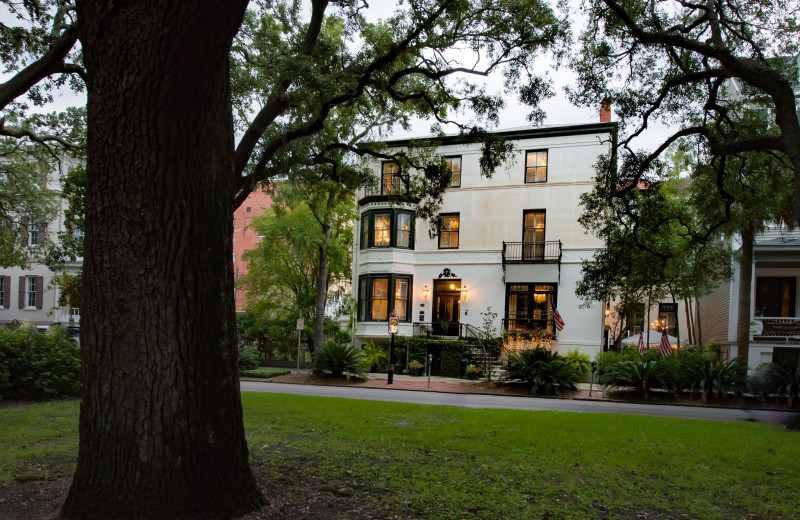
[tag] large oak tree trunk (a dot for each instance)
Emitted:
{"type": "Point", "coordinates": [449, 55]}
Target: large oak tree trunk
{"type": "Point", "coordinates": [745, 286]}
{"type": "Point", "coordinates": [161, 432]}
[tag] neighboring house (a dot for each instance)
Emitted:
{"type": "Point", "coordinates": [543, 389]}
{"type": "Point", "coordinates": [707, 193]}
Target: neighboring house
{"type": "Point", "coordinates": [774, 308]}
{"type": "Point", "coordinates": [27, 295]}
{"type": "Point", "coordinates": [511, 243]}
{"type": "Point", "coordinates": [246, 238]}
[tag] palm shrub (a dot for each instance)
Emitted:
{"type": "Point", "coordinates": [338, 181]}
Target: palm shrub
{"type": "Point", "coordinates": [544, 372]}
{"type": "Point", "coordinates": [642, 375]}
{"type": "Point", "coordinates": [339, 358]}
{"type": "Point", "coordinates": [783, 379]}
{"type": "Point", "coordinates": [578, 360]}
{"type": "Point", "coordinates": [247, 357]}
{"type": "Point", "coordinates": [712, 375]}
{"type": "Point", "coordinates": [374, 355]}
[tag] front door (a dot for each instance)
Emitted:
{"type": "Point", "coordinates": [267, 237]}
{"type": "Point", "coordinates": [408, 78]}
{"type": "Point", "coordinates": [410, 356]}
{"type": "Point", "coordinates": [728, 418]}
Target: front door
{"type": "Point", "coordinates": [446, 307]}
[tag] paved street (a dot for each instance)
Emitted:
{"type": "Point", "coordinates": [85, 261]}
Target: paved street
{"type": "Point", "coordinates": [521, 403]}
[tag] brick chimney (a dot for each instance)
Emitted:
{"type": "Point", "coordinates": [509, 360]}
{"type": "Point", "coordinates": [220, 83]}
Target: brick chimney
{"type": "Point", "coordinates": [605, 111]}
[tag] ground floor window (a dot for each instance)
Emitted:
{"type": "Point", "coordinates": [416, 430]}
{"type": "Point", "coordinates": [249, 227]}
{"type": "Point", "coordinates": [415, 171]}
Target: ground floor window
{"type": "Point", "coordinates": [528, 307]}
{"type": "Point", "coordinates": [379, 295]}
{"type": "Point", "coordinates": [667, 318]}
{"type": "Point", "coordinates": [776, 296]}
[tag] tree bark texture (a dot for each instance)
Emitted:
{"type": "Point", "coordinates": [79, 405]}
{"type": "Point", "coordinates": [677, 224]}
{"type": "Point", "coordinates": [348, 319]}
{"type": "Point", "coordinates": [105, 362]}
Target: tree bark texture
{"type": "Point", "coordinates": [745, 284]}
{"type": "Point", "coordinates": [322, 289]}
{"type": "Point", "coordinates": [161, 431]}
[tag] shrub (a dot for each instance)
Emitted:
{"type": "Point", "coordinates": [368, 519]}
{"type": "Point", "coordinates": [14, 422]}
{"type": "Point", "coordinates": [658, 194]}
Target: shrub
{"type": "Point", "coordinates": [339, 358]}
{"type": "Point", "coordinates": [711, 375]}
{"type": "Point", "coordinates": [342, 336]}
{"type": "Point", "coordinates": [579, 361]}
{"type": "Point", "coordinates": [38, 366]}
{"type": "Point", "coordinates": [374, 355]}
{"type": "Point", "coordinates": [542, 370]}
{"type": "Point", "coordinates": [247, 357]}
{"type": "Point", "coordinates": [642, 375]}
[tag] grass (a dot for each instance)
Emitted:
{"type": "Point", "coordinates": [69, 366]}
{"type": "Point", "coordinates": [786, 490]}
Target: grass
{"type": "Point", "coordinates": [413, 461]}
{"type": "Point", "coordinates": [265, 372]}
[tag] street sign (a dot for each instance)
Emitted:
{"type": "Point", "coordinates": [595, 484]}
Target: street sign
{"type": "Point", "coordinates": [300, 324]}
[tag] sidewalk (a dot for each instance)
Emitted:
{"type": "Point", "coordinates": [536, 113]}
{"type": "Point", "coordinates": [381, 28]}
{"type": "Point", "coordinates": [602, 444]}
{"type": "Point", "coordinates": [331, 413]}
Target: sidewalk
{"type": "Point", "coordinates": [447, 385]}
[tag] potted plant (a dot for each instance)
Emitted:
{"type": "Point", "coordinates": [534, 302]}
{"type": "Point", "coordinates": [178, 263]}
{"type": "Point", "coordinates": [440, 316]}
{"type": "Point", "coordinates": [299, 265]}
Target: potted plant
{"type": "Point", "coordinates": [415, 368]}
{"type": "Point", "coordinates": [473, 371]}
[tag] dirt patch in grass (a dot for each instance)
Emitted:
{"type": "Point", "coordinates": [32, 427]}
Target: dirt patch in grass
{"type": "Point", "coordinates": [293, 490]}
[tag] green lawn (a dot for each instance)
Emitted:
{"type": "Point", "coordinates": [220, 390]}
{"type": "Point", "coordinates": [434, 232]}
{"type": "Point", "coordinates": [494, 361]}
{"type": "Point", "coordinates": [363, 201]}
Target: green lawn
{"type": "Point", "coordinates": [414, 461]}
{"type": "Point", "coordinates": [265, 372]}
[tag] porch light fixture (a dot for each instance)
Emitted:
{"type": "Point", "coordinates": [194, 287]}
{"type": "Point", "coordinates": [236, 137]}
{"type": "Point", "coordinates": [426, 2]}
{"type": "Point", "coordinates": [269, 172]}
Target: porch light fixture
{"type": "Point", "coordinates": [425, 292]}
{"type": "Point", "coordinates": [608, 308]}
{"type": "Point", "coordinates": [464, 293]}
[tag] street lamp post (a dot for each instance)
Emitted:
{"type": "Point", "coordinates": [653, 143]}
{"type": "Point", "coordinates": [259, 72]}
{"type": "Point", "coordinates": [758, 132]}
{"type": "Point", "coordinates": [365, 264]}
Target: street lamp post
{"type": "Point", "coordinates": [393, 322]}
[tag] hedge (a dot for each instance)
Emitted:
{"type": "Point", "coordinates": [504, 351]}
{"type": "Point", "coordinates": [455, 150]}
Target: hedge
{"type": "Point", "coordinates": [451, 352]}
{"type": "Point", "coordinates": [38, 366]}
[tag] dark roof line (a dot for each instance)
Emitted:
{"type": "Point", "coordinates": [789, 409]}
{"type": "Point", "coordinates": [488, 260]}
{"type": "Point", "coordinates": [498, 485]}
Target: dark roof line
{"type": "Point", "coordinates": [526, 133]}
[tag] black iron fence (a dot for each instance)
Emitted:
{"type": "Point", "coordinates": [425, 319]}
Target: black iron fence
{"type": "Point", "coordinates": [281, 346]}
{"type": "Point", "coordinates": [444, 329]}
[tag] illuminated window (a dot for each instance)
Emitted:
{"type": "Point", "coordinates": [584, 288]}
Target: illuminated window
{"type": "Point", "coordinates": [391, 182]}
{"type": "Point", "coordinates": [448, 234]}
{"type": "Point", "coordinates": [380, 299]}
{"type": "Point", "coordinates": [403, 229]}
{"type": "Point", "coordinates": [381, 294]}
{"type": "Point", "coordinates": [387, 228]}
{"type": "Point", "coordinates": [383, 229]}
{"type": "Point", "coordinates": [536, 166]}
{"type": "Point", "coordinates": [454, 163]}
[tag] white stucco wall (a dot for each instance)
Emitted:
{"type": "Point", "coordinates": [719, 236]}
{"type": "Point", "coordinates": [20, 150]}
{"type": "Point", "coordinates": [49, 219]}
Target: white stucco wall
{"type": "Point", "coordinates": [491, 211]}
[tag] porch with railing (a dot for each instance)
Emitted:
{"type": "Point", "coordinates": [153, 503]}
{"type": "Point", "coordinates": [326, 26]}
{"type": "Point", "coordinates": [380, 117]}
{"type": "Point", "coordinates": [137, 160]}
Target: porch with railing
{"type": "Point", "coordinates": [775, 330]}
{"type": "Point", "coordinates": [443, 329]}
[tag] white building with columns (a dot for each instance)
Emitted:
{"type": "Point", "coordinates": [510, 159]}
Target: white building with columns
{"type": "Point", "coordinates": [511, 243]}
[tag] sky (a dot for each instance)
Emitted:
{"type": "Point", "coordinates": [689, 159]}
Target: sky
{"type": "Point", "coordinates": [559, 111]}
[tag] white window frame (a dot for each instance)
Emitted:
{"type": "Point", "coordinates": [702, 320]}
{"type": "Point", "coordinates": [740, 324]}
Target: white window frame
{"type": "Point", "coordinates": [30, 292]}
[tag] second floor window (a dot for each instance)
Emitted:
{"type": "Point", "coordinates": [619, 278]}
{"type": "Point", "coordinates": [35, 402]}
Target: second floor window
{"type": "Point", "coordinates": [383, 229]}
{"type": "Point", "coordinates": [454, 163]}
{"type": "Point", "coordinates": [387, 228]}
{"type": "Point", "coordinates": [536, 166]}
{"type": "Point", "coordinates": [533, 226]}
{"type": "Point", "coordinates": [3, 302]}
{"type": "Point", "coordinates": [448, 234]}
{"type": "Point", "coordinates": [403, 229]}
{"type": "Point", "coordinates": [33, 235]}
{"type": "Point", "coordinates": [391, 182]}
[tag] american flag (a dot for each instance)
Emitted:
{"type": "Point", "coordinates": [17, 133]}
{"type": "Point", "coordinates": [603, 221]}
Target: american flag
{"type": "Point", "coordinates": [664, 347]}
{"type": "Point", "coordinates": [641, 343]}
{"type": "Point", "coordinates": [557, 319]}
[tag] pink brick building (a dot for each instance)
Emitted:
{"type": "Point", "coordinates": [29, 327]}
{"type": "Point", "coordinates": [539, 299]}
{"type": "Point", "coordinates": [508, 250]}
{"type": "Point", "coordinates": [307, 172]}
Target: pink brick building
{"type": "Point", "coordinates": [245, 238]}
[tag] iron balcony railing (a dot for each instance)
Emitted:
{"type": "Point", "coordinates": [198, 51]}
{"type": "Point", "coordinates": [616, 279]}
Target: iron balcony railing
{"type": "Point", "coordinates": [512, 325]}
{"type": "Point", "coordinates": [545, 252]}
